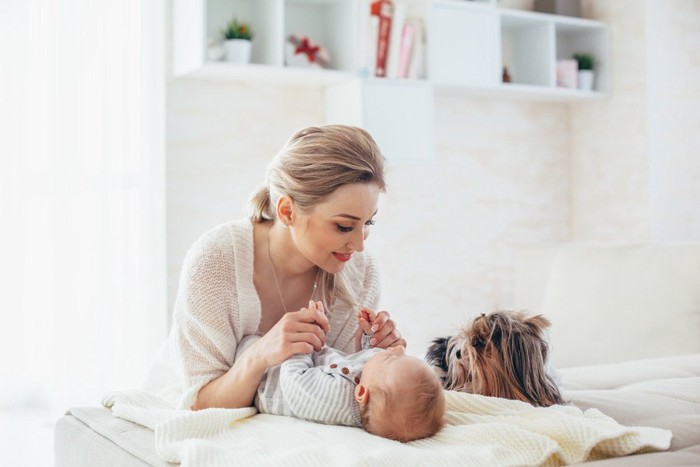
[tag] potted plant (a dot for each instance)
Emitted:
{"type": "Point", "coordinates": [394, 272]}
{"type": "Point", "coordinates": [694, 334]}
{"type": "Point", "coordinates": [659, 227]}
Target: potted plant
{"type": "Point", "coordinates": [585, 71]}
{"type": "Point", "coordinates": [237, 41]}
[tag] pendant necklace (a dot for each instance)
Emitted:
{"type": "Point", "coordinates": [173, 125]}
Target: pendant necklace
{"type": "Point", "coordinates": [274, 275]}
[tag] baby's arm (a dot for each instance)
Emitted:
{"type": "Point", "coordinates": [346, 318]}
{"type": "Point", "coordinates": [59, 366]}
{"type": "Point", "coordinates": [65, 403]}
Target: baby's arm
{"type": "Point", "coordinates": [316, 394]}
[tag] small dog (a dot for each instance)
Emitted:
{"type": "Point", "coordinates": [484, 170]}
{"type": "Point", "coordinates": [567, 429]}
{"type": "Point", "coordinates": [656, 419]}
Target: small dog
{"type": "Point", "coordinates": [502, 354]}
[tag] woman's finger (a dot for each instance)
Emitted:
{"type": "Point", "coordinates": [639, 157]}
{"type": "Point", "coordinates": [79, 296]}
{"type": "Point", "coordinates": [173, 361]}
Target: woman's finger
{"type": "Point", "coordinates": [390, 340]}
{"type": "Point", "coordinates": [383, 332]}
{"type": "Point", "coordinates": [300, 347]}
{"type": "Point", "coordinates": [306, 328]}
{"type": "Point", "coordinates": [312, 316]}
{"type": "Point", "coordinates": [309, 337]}
{"type": "Point", "coordinates": [380, 320]}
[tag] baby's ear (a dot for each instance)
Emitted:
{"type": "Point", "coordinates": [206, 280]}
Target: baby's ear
{"type": "Point", "coordinates": [361, 394]}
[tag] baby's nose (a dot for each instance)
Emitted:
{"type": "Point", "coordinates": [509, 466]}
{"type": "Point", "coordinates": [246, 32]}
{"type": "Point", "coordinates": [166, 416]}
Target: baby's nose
{"type": "Point", "coordinates": [398, 350]}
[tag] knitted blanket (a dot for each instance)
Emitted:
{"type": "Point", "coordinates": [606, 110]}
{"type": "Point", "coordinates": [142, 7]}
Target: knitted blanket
{"type": "Point", "coordinates": [479, 431]}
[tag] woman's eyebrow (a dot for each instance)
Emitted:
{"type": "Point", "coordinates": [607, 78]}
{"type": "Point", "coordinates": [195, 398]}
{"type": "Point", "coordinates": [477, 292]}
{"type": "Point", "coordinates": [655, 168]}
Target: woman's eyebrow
{"type": "Point", "coordinates": [354, 218]}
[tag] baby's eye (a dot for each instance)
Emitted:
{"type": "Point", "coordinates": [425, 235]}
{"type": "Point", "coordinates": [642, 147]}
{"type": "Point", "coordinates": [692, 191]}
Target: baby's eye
{"type": "Point", "coordinates": [343, 228]}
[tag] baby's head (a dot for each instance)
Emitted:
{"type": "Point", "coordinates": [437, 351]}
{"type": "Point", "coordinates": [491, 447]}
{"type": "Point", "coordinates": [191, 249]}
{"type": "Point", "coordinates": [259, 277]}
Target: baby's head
{"type": "Point", "coordinates": [400, 397]}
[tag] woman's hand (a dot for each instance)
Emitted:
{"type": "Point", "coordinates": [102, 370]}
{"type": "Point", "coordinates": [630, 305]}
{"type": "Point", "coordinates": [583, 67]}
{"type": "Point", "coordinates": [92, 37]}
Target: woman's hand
{"type": "Point", "coordinates": [380, 327]}
{"type": "Point", "coordinates": [297, 332]}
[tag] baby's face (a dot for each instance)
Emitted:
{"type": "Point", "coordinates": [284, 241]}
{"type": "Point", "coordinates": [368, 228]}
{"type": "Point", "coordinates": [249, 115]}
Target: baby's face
{"type": "Point", "coordinates": [390, 367]}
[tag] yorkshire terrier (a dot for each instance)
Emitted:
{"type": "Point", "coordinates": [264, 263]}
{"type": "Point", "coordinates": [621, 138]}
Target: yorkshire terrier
{"type": "Point", "coordinates": [502, 354]}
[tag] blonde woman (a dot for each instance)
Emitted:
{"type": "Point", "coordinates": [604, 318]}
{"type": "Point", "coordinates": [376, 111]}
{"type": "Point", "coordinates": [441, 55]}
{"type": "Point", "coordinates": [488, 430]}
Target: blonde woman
{"type": "Point", "coordinates": [303, 241]}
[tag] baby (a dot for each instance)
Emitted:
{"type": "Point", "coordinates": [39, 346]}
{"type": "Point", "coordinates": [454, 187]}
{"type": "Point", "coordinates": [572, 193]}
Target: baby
{"type": "Point", "coordinates": [386, 392]}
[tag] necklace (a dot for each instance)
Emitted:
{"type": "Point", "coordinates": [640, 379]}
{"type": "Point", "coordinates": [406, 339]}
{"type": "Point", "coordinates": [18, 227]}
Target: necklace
{"type": "Point", "coordinates": [274, 275]}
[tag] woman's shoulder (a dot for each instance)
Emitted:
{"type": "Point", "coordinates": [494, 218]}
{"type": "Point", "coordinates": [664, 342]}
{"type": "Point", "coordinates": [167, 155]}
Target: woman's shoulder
{"type": "Point", "coordinates": [229, 235]}
{"type": "Point", "coordinates": [224, 242]}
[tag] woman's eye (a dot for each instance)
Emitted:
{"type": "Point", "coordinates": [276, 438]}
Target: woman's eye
{"type": "Point", "coordinates": [342, 228]}
{"type": "Point", "coordinates": [369, 222]}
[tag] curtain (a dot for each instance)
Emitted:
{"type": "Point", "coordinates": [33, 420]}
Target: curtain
{"type": "Point", "coordinates": [82, 208]}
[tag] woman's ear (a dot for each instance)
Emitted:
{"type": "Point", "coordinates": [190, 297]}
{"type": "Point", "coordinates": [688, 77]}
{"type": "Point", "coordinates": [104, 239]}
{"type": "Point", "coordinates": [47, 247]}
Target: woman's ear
{"type": "Point", "coordinates": [284, 209]}
{"type": "Point", "coordinates": [362, 394]}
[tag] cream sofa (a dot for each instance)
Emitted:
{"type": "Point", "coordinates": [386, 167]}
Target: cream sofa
{"type": "Point", "coordinates": [613, 303]}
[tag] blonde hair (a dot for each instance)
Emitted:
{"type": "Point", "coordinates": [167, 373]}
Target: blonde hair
{"type": "Point", "coordinates": [412, 411]}
{"type": "Point", "coordinates": [314, 163]}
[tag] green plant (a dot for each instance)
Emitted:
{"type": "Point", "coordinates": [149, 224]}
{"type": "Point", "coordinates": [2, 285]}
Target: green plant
{"type": "Point", "coordinates": [585, 61]}
{"type": "Point", "coordinates": [237, 30]}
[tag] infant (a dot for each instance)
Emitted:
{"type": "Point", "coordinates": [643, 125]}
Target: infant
{"type": "Point", "coordinates": [384, 391]}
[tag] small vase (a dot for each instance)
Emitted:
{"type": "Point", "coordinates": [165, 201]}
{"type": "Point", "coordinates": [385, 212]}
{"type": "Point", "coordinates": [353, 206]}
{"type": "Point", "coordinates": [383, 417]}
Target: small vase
{"type": "Point", "coordinates": [585, 80]}
{"type": "Point", "coordinates": [238, 50]}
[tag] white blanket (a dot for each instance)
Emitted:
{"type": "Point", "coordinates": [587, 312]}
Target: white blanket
{"type": "Point", "coordinates": [479, 431]}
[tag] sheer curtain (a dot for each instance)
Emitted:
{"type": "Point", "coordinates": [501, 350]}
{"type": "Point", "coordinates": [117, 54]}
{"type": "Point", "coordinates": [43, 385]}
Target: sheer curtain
{"type": "Point", "coordinates": [82, 217]}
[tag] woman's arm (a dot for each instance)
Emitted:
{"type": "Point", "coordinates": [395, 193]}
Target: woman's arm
{"type": "Point", "coordinates": [297, 332]}
{"type": "Point", "coordinates": [236, 388]}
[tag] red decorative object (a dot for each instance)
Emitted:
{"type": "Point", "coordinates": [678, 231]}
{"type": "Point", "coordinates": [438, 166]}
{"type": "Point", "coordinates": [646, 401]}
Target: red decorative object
{"type": "Point", "coordinates": [304, 46]}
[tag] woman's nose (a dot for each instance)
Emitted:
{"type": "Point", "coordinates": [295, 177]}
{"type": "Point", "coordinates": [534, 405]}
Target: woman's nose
{"type": "Point", "coordinates": [358, 242]}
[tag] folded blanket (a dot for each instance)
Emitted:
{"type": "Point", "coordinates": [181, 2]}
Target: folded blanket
{"type": "Point", "coordinates": [479, 431]}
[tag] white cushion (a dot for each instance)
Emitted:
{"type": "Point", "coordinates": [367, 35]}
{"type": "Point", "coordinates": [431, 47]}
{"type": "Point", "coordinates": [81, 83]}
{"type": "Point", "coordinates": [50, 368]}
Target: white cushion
{"type": "Point", "coordinates": [618, 303]}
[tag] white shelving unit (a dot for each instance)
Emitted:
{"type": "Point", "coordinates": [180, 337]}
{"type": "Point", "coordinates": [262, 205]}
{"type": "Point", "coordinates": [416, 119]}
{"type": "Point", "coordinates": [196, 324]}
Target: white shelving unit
{"type": "Point", "coordinates": [467, 43]}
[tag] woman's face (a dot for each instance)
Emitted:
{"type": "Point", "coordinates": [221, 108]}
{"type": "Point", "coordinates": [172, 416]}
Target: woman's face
{"type": "Point", "coordinates": [332, 231]}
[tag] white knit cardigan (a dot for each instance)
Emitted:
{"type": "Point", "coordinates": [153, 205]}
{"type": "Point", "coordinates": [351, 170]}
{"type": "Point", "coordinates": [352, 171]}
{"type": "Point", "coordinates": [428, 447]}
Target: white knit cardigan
{"type": "Point", "coordinates": [217, 306]}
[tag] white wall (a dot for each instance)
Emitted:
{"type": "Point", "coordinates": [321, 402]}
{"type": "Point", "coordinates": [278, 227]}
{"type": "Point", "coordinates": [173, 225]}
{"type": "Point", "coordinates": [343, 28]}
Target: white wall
{"type": "Point", "coordinates": [639, 178]}
{"type": "Point", "coordinates": [506, 173]}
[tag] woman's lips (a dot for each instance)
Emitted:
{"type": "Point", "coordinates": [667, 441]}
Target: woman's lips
{"type": "Point", "coordinates": [342, 257]}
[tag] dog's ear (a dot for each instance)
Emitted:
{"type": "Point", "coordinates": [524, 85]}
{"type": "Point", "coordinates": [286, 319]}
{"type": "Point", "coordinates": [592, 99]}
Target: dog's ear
{"type": "Point", "coordinates": [529, 362]}
{"type": "Point", "coordinates": [538, 322]}
{"type": "Point", "coordinates": [437, 353]}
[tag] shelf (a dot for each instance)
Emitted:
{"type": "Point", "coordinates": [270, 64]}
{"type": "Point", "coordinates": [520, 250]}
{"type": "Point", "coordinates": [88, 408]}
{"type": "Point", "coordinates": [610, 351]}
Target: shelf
{"type": "Point", "coordinates": [269, 74]}
{"type": "Point", "coordinates": [465, 45]}
{"type": "Point", "coordinates": [523, 92]}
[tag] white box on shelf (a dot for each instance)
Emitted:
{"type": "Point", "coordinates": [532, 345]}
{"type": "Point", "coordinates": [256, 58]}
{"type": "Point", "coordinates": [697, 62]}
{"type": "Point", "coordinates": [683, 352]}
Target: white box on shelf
{"type": "Point", "coordinates": [463, 45]}
{"type": "Point", "coordinates": [397, 113]}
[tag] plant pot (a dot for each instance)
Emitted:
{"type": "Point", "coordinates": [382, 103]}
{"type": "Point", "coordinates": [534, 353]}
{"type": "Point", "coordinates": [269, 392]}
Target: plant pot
{"type": "Point", "coordinates": [585, 80]}
{"type": "Point", "coordinates": [238, 50]}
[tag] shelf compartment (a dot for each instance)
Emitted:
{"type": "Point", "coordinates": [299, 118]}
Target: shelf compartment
{"type": "Point", "coordinates": [331, 24]}
{"type": "Point", "coordinates": [527, 48]}
{"type": "Point", "coordinates": [585, 37]}
{"type": "Point", "coordinates": [266, 18]}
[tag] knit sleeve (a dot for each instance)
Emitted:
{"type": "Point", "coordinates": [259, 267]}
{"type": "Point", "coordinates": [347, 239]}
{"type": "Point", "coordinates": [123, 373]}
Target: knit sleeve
{"type": "Point", "coordinates": [313, 394]}
{"type": "Point", "coordinates": [372, 284]}
{"type": "Point", "coordinates": [204, 314]}
{"type": "Point", "coordinates": [364, 289]}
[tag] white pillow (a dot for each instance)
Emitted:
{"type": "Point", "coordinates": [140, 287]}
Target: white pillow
{"type": "Point", "coordinates": [617, 303]}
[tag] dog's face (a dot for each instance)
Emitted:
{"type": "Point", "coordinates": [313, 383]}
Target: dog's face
{"type": "Point", "coordinates": [503, 354]}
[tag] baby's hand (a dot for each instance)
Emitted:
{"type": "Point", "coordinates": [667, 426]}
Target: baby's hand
{"type": "Point", "coordinates": [365, 321]}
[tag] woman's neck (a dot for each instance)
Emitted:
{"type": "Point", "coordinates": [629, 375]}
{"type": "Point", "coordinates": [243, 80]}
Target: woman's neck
{"type": "Point", "coordinates": [284, 255]}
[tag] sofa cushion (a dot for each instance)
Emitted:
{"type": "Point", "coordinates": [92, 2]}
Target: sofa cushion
{"type": "Point", "coordinates": [621, 302]}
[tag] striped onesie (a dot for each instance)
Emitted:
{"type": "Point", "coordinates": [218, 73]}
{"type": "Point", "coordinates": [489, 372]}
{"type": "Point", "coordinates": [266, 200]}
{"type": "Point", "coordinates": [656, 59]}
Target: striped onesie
{"type": "Point", "coordinates": [318, 387]}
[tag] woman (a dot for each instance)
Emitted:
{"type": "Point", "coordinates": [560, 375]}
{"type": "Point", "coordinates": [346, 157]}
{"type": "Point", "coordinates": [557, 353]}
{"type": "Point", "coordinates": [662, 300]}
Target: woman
{"type": "Point", "coordinates": [303, 241]}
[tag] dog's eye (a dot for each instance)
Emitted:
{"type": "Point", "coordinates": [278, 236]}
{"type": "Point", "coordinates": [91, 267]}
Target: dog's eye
{"type": "Point", "coordinates": [459, 354]}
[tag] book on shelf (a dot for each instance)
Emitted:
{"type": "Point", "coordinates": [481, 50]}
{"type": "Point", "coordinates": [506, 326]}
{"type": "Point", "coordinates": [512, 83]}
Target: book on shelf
{"type": "Point", "coordinates": [384, 11]}
{"type": "Point", "coordinates": [393, 42]}
{"type": "Point", "coordinates": [398, 21]}
{"type": "Point", "coordinates": [416, 66]}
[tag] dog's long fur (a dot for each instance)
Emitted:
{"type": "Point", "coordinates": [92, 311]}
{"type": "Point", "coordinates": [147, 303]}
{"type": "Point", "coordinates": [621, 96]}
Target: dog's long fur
{"type": "Point", "coordinates": [502, 354]}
